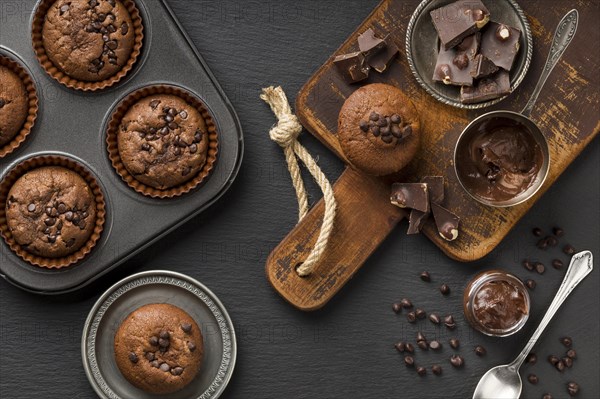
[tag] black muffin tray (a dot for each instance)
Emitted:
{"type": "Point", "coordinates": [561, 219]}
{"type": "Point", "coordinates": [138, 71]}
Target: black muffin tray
{"type": "Point", "coordinates": [73, 124]}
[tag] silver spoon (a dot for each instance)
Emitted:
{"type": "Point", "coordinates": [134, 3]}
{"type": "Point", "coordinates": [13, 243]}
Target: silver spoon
{"type": "Point", "coordinates": [504, 382]}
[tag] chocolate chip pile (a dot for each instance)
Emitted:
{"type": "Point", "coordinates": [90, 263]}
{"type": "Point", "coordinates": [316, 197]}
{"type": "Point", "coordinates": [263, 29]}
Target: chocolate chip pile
{"type": "Point", "coordinates": [162, 342]}
{"type": "Point", "coordinates": [168, 130]}
{"type": "Point", "coordinates": [388, 128]}
{"type": "Point", "coordinates": [57, 214]}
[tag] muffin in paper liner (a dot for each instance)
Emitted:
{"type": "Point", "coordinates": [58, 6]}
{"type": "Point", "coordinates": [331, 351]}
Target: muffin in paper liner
{"type": "Point", "coordinates": [38, 162]}
{"type": "Point", "coordinates": [32, 103]}
{"type": "Point", "coordinates": [56, 73]}
{"type": "Point", "coordinates": [113, 145]}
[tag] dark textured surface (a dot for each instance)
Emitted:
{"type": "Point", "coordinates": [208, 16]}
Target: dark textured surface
{"type": "Point", "coordinates": [345, 350]}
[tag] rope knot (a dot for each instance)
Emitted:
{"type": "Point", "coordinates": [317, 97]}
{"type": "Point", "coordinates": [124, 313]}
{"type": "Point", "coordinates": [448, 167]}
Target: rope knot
{"type": "Point", "coordinates": [287, 130]}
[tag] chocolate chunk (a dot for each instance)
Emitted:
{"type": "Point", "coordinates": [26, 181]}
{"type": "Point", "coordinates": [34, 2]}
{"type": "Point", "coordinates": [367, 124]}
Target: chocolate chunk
{"type": "Point", "coordinates": [400, 346]}
{"type": "Point", "coordinates": [435, 188]}
{"type": "Point", "coordinates": [397, 308]}
{"type": "Point", "coordinates": [352, 67]}
{"type": "Point", "coordinates": [530, 284]}
{"type": "Point", "coordinates": [435, 319]}
{"type": "Point", "coordinates": [165, 367]}
{"type": "Point", "coordinates": [381, 60]}
{"type": "Point", "coordinates": [454, 343]}
{"type": "Point", "coordinates": [369, 43]}
{"type": "Point", "coordinates": [502, 52]}
{"type": "Point", "coordinates": [480, 350]}
{"type": "Point", "coordinates": [416, 221]}
{"type": "Point", "coordinates": [421, 371]}
{"type": "Point", "coordinates": [436, 369]}
{"type": "Point", "coordinates": [558, 232]}
{"type": "Point", "coordinates": [527, 265]}
{"type": "Point", "coordinates": [461, 61]}
{"type": "Point", "coordinates": [566, 341]}
{"type": "Point", "coordinates": [409, 361]}
{"type": "Point", "coordinates": [410, 195]}
{"type": "Point", "coordinates": [458, 20]}
{"type": "Point", "coordinates": [540, 268]}
{"type": "Point", "coordinates": [133, 357]}
{"type": "Point", "coordinates": [572, 388]}
{"type": "Point", "coordinates": [452, 66]}
{"type": "Point", "coordinates": [435, 345]}
{"type": "Point", "coordinates": [557, 264]}
{"type": "Point", "coordinates": [531, 358]}
{"type": "Point", "coordinates": [447, 222]}
{"type": "Point", "coordinates": [191, 346]}
{"type": "Point", "coordinates": [492, 87]}
{"type": "Point", "coordinates": [420, 313]}
{"type": "Point", "coordinates": [456, 361]}
{"type": "Point", "coordinates": [445, 289]}
{"type": "Point", "coordinates": [411, 317]}
{"type": "Point", "coordinates": [177, 370]}
{"type": "Point", "coordinates": [571, 353]}
{"type": "Point", "coordinates": [482, 67]}
{"type": "Point", "coordinates": [425, 276]}
{"type": "Point", "coordinates": [537, 232]}
{"type": "Point", "coordinates": [569, 249]}
{"type": "Point", "coordinates": [186, 327]}
{"type": "Point", "coordinates": [532, 378]}
{"type": "Point", "coordinates": [406, 303]}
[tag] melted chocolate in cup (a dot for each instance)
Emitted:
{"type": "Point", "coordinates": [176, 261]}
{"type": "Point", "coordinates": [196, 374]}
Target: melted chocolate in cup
{"type": "Point", "coordinates": [501, 159]}
{"type": "Point", "coordinates": [496, 303]}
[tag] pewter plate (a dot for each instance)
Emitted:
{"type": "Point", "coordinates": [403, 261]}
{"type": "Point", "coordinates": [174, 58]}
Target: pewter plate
{"type": "Point", "coordinates": [158, 287]}
{"type": "Point", "coordinates": [422, 44]}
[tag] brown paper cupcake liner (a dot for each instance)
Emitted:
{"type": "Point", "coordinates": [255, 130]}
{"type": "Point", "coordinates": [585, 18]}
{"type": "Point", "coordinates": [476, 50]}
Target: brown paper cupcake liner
{"type": "Point", "coordinates": [113, 147]}
{"type": "Point", "coordinates": [12, 145]}
{"type": "Point", "coordinates": [64, 79]}
{"type": "Point", "coordinates": [50, 160]}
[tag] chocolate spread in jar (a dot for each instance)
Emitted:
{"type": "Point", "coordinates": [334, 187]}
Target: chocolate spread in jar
{"type": "Point", "coordinates": [499, 305]}
{"type": "Point", "coordinates": [500, 160]}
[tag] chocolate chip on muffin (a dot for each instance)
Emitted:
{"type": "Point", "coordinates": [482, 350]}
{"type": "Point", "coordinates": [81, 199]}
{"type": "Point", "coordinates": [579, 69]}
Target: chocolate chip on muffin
{"type": "Point", "coordinates": [13, 105]}
{"type": "Point", "coordinates": [88, 40]}
{"type": "Point", "coordinates": [51, 212]}
{"type": "Point", "coordinates": [159, 348]}
{"type": "Point", "coordinates": [379, 129]}
{"type": "Point", "coordinates": [163, 141]}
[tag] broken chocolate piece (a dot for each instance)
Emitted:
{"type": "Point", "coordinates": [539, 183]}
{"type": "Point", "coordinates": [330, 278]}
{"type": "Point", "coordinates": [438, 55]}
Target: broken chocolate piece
{"type": "Point", "coordinates": [435, 188]}
{"type": "Point", "coordinates": [458, 20]}
{"type": "Point", "coordinates": [447, 222]}
{"type": "Point", "coordinates": [482, 67]}
{"type": "Point", "coordinates": [369, 43]}
{"type": "Point", "coordinates": [382, 59]}
{"type": "Point", "coordinates": [495, 86]}
{"type": "Point", "coordinates": [416, 221]}
{"type": "Point", "coordinates": [352, 67]}
{"type": "Point", "coordinates": [453, 66]}
{"type": "Point", "coordinates": [410, 195]}
{"type": "Point", "coordinates": [500, 52]}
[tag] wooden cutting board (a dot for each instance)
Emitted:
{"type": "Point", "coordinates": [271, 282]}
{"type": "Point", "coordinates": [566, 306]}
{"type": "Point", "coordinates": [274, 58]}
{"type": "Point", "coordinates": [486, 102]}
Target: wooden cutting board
{"type": "Point", "coordinates": [567, 112]}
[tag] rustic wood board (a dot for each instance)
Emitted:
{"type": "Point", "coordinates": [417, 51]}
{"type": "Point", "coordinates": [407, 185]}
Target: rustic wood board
{"type": "Point", "coordinates": [567, 112]}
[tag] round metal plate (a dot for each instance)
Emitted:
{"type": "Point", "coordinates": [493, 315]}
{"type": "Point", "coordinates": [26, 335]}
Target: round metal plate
{"type": "Point", "coordinates": [422, 44]}
{"type": "Point", "coordinates": [158, 287]}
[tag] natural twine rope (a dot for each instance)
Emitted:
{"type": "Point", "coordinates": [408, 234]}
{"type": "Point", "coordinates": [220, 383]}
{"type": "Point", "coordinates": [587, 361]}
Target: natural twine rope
{"type": "Point", "coordinates": [286, 133]}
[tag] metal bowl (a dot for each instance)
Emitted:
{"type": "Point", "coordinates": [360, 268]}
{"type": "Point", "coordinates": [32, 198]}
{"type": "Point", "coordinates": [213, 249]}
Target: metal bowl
{"type": "Point", "coordinates": [97, 343]}
{"type": "Point", "coordinates": [422, 44]}
{"type": "Point", "coordinates": [473, 129]}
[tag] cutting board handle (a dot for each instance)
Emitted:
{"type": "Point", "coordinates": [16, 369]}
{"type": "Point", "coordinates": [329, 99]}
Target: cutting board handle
{"type": "Point", "coordinates": [364, 219]}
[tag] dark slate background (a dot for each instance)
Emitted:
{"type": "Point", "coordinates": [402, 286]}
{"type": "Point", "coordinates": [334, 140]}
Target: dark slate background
{"type": "Point", "coordinates": [345, 350]}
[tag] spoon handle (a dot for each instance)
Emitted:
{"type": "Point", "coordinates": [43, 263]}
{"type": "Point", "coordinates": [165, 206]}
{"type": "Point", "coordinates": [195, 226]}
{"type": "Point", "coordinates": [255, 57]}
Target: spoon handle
{"type": "Point", "coordinates": [581, 265]}
{"type": "Point", "coordinates": [562, 38]}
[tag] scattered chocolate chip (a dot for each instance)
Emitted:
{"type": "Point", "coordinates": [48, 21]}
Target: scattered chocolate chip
{"type": "Point", "coordinates": [454, 343]}
{"type": "Point", "coordinates": [530, 284]}
{"type": "Point", "coordinates": [133, 357]}
{"type": "Point", "coordinates": [165, 367]}
{"type": "Point", "coordinates": [445, 289]}
{"type": "Point", "coordinates": [542, 244]}
{"type": "Point", "coordinates": [566, 341]}
{"type": "Point", "coordinates": [410, 348]}
{"type": "Point", "coordinates": [572, 388]}
{"type": "Point", "coordinates": [421, 371]}
{"type": "Point", "coordinates": [532, 378]}
{"type": "Point", "coordinates": [423, 345]}
{"type": "Point", "coordinates": [420, 313]}
{"type": "Point", "coordinates": [449, 322]}
{"type": "Point", "coordinates": [531, 358]}
{"type": "Point", "coordinates": [31, 207]}
{"type": "Point", "coordinates": [480, 350]}
{"type": "Point", "coordinates": [540, 268]}
{"type": "Point", "coordinates": [186, 327]}
{"type": "Point", "coordinates": [537, 232]}
{"type": "Point", "coordinates": [571, 353]}
{"type": "Point", "coordinates": [425, 276]}
{"type": "Point", "coordinates": [396, 307]}
{"type": "Point", "coordinates": [552, 241]}
{"type": "Point", "coordinates": [567, 361]}
{"type": "Point", "coordinates": [177, 370]}
{"type": "Point", "coordinates": [560, 365]}
{"type": "Point", "coordinates": [558, 232]}
{"type": "Point", "coordinates": [411, 317]}
{"type": "Point", "coordinates": [434, 318]}
{"type": "Point", "coordinates": [400, 346]}
{"type": "Point", "coordinates": [553, 360]}
{"type": "Point", "coordinates": [409, 361]}
{"type": "Point", "coordinates": [547, 396]}
{"type": "Point", "coordinates": [456, 361]}
{"type": "Point", "coordinates": [557, 264]}
{"type": "Point", "coordinates": [436, 369]}
{"type": "Point", "coordinates": [421, 337]}
{"type": "Point", "coordinates": [569, 249]}
{"type": "Point", "coordinates": [435, 345]}
{"type": "Point", "coordinates": [528, 265]}
{"type": "Point", "coordinates": [191, 346]}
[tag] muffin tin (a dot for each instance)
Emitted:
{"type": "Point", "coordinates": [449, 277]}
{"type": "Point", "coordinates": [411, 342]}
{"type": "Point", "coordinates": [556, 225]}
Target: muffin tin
{"type": "Point", "coordinates": [73, 124]}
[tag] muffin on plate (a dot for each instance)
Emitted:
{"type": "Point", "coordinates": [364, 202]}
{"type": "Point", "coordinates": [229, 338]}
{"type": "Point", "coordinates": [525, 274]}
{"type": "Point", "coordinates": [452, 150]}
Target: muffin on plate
{"type": "Point", "coordinates": [159, 348]}
{"type": "Point", "coordinates": [14, 105]}
{"type": "Point", "coordinates": [379, 129]}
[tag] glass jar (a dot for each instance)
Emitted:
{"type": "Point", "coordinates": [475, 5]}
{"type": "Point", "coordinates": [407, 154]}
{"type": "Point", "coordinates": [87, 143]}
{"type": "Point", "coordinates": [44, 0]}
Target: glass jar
{"type": "Point", "coordinates": [496, 303]}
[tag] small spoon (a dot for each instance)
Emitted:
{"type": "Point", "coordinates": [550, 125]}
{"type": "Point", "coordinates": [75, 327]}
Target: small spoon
{"type": "Point", "coordinates": [504, 382]}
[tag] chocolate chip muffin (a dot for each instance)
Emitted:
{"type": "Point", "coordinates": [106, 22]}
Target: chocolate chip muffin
{"type": "Point", "coordinates": [163, 141]}
{"type": "Point", "coordinates": [379, 129]}
{"type": "Point", "coordinates": [88, 40]}
{"type": "Point", "coordinates": [159, 348]}
{"type": "Point", "coordinates": [13, 105]}
{"type": "Point", "coordinates": [51, 212]}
